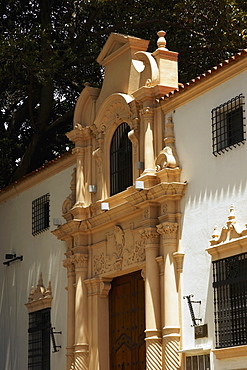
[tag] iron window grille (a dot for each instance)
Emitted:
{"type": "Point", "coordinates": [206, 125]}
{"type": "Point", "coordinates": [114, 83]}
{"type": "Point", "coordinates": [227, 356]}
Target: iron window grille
{"type": "Point", "coordinates": [228, 128]}
{"type": "Point", "coordinates": [200, 362]}
{"type": "Point", "coordinates": [40, 214]}
{"type": "Point", "coordinates": [120, 160]}
{"type": "Point", "coordinates": [39, 340]}
{"type": "Point", "coordinates": [230, 301]}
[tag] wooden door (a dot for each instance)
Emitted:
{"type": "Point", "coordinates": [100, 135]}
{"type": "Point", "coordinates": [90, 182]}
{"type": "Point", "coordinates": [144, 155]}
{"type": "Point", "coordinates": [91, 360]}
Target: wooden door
{"type": "Point", "coordinates": [127, 323]}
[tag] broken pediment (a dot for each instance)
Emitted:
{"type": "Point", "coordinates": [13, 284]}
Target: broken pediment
{"type": "Point", "coordinates": [117, 44]}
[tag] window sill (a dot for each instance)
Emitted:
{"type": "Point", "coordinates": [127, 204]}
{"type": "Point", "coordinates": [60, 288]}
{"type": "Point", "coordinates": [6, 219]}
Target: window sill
{"type": "Point", "coordinates": [230, 352]}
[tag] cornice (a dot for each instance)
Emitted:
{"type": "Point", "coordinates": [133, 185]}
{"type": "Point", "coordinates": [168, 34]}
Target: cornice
{"type": "Point", "coordinates": [230, 352]}
{"type": "Point", "coordinates": [41, 174]}
{"type": "Point", "coordinates": [204, 83]}
{"type": "Point", "coordinates": [121, 206]}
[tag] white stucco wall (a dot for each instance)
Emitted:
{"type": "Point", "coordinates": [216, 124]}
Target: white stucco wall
{"type": "Point", "coordinates": [214, 184]}
{"type": "Point", "coordinates": [41, 253]}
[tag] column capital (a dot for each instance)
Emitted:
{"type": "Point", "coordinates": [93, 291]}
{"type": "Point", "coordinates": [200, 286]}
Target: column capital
{"type": "Point", "coordinates": [78, 151]}
{"type": "Point", "coordinates": [147, 112]}
{"type": "Point", "coordinates": [98, 286]}
{"type": "Point", "coordinates": [168, 230]}
{"type": "Point", "coordinates": [80, 260]}
{"type": "Point", "coordinates": [150, 236]}
{"type": "Point", "coordinates": [68, 263]}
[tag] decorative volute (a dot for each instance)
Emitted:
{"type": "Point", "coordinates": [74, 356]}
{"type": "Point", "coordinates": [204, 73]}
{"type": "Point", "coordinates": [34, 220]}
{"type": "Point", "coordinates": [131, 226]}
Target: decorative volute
{"type": "Point", "coordinates": [117, 58]}
{"type": "Point", "coordinates": [159, 72]}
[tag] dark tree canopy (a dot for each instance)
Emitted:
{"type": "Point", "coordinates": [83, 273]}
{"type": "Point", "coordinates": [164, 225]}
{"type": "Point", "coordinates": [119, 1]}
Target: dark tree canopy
{"type": "Point", "coordinates": [48, 50]}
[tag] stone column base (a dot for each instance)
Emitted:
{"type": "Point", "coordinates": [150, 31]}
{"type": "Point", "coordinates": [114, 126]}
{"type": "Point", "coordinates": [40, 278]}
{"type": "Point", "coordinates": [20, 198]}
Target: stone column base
{"type": "Point", "coordinates": [70, 359]}
{"type": "Point", "coordinates": [81, 357]}
{"type": "Point", "coordinates": [153, 350]}
{"type": "Point", "coordinates": [171, 345]}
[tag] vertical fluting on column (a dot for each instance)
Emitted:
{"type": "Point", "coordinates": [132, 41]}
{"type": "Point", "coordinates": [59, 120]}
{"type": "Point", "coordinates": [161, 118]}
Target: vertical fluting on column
{"type": "Point", "coordinates": [171, 328]}
{"type": "Point", "coordinates": [152, 301]}
{"type": "Point", "coordinates": [81, 347]}
{"type": "Point", "coordinates": [68, 263]}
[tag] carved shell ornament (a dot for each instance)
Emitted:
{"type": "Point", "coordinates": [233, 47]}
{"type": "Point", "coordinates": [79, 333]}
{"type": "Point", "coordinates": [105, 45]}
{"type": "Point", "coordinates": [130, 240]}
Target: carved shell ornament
{"type": "Point", "coordinates": [116, 113]}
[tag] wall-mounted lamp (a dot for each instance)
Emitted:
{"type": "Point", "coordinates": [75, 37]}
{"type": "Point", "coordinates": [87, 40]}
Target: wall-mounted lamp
{"type": "Point", "coordinates": [11, 257]}
{"type": "Point", "coordinates": [139, 185]}
{"type": "Point", "coordinates": [92, 188]}
{"type": "Point", "coordinates": [55, 347]}
{"type": "Point", "coordinates": [104, 206]}
{"type": "Point", "coordinates": [194, 320]}
{"type": "Point", "coordinates": [57, 222]}
{"type": "Point", "coordinates": [140, 165]}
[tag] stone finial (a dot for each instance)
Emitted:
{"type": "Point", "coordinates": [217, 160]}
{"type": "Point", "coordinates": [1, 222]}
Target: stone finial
{"type": "Point", "coordinates": [231, 217]}
{"type": "Point", "coordinates": [40, 285]}
{"type": "Point", "coordinates": [48, 292]}
{"type": "Point", "coordinates": [39, 297]}
{"type": "Point", "coordinates": [215, 234]}
{"type": "Point", "coordinates": [161, 40]}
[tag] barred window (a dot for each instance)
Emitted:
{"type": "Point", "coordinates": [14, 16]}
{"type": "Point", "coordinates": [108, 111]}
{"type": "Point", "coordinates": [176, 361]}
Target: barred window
{"type": "Point", "coordinates": [228, 128]}
{"type": "Point", "coordinates": [120, 160]}
{"type": "Point", "coordinates": [40, 214]}
{"type": "Point", "coordinates": [39, 340]}
{"type": "Point", "coordinates": [230, 300]}
{"type": "Point", "coordinates": [200, 362]}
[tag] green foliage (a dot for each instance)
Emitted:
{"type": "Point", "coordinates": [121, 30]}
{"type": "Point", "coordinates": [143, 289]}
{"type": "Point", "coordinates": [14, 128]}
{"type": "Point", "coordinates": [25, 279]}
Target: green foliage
{"type": "Point", "coordinates": [48, 50]}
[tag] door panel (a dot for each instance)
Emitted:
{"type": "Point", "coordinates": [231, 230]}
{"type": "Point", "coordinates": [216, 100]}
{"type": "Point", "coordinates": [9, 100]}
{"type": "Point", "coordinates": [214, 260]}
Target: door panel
{"type": "Point", "coordinates": [127, 323]}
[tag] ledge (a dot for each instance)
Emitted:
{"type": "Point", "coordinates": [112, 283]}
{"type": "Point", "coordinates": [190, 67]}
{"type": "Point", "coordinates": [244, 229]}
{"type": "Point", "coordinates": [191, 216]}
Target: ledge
{"type": "Point", "coordinates": [230, 352]}
{"type": "Point", "coordinates": [195, 351]}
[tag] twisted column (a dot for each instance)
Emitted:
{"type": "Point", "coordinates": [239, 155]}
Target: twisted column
{"type": "Point", "coordinates": [171, 329]}
{"type": "Point", "coordinates": [81, 347]}
{"type": "Point", "coordinates": [152, 301]}
{"type": "Point", "coordinates": [68, 263]}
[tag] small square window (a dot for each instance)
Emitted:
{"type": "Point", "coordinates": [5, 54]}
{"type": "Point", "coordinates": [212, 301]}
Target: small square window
{"type": "Point", "coordinates": [40, 214]}
{"type": "Point", "coordinates": [201, 362]}
{"type": "Point", "coordinates": [228, 125]}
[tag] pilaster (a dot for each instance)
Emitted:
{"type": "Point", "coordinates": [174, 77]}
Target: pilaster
{"type": "Point", "coordinates": [152, 300]}
{"type": "Point", "coordinates": [81, 136]}
{"type": "Point", "coordinates": [171, 328]}
{"type": "Point", "coordinates": [98, 318]}
{"type": "Point", "coordinates": [81, 347]}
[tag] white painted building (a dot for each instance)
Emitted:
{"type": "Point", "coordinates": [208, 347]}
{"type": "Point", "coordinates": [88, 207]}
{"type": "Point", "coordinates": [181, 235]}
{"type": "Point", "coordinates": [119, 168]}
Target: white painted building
{"type": "Point", "coordinates": [150, 228]}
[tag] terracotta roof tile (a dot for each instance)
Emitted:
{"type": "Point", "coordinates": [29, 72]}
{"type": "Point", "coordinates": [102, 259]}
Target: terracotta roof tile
{"type": "Point", "coordinates": [33, 173]}
{"type": "Point", "coordinates": [209, 72]}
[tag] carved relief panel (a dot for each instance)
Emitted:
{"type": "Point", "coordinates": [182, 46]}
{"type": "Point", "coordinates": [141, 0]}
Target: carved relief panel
{"type": "Point", "coordinates": [121, 249]}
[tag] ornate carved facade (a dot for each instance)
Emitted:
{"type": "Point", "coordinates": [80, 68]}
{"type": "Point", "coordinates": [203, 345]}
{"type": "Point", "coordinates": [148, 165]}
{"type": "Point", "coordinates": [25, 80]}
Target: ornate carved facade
{"type": "Point", "coordinates": [140, 229]}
